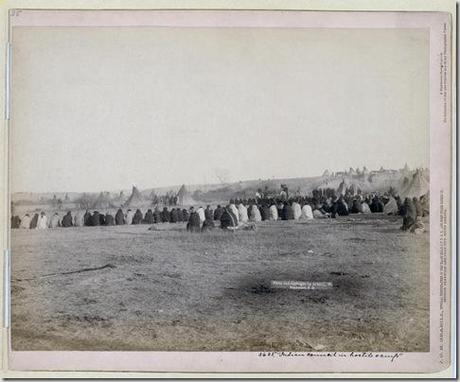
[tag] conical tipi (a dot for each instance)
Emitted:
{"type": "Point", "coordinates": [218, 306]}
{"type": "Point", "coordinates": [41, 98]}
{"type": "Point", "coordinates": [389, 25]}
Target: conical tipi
{"type": "Point", "coordinates": [135, 198]}
{"type": "Point", "coordinates": [183, 197]}
{"type": "Point", "coordinates": [103, 201]}
{"type": "Point", "coordinates": [417, 187]}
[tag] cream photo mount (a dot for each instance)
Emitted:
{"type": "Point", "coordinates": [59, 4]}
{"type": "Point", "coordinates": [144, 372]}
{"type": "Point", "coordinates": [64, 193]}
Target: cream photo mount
{"type": "Point", "coordinates": [438, 18]}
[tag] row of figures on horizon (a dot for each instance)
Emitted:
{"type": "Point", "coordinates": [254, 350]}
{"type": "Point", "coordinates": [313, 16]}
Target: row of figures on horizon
{"type": "Point", "coordinates": [239, 212]}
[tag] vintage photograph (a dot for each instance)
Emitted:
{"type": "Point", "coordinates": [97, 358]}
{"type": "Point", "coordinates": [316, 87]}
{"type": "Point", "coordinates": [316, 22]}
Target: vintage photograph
{"type": "Point", "coordinates": [208, 188]}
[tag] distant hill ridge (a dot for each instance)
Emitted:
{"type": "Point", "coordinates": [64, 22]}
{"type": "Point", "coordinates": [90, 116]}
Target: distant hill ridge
{"type": "Point", "coordinates": [377, 180]}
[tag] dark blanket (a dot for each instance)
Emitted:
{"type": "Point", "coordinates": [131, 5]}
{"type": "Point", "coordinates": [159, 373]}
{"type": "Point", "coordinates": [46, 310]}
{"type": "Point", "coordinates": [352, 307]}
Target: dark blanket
{"type": "Point", "coordinates": [137, 218]}
{"type": "Point", "coordinates": [87, 219]}
{"type": "Point", "coordinates": [119, 217]}
{"type": "Point", "coordinates": [265, 212]}
{"type": "Point", "coordinates": [208, 225]}
{"type": "Point", "coordinates": [218, 213]}
{"type": "Point", "coordinates": [410, 214]}
{"type": "Point", "coordinates": [15, 222]}
{"type": "Point", "coordinates": [376, 205]}
{"type": "Point", "coordinates": [287, 212]}
{"type": "Point", "coordinates": [148, 218]}
{"type": "Point", "coordinates": [185, 215]}
{"type": "Point", "coordinates": [342, 208]}
{"type": "Point", "coordinates": [356, 207]}
{"type": "Point", "coordinates": [173, 216]}
{"type": "Point", "coordinates": [95, 219]}
{"type": "Point", "coordinates": [34, 222]}
{"type": "Point", "coordinates": [228, 219]}
{"type": "Point", "coordinates": [194, 223]}
{"type": "Point", "coordinates": [209, 214]}
{"type": "Point", "coordinates": [109, 220]}
{"type": "Point", "coordinates": [67, 220]}
{"type": "Point", "coordinates": [165, 215]}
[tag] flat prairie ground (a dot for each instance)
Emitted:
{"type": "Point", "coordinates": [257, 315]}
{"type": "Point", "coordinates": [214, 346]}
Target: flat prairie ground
{"type": "Point", "coordinates": [131, 288]}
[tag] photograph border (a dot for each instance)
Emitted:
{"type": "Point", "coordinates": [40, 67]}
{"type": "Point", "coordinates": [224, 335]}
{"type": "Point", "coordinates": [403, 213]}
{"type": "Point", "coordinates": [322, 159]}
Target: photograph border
{"type": "Point", "coordinates": [326, 5]}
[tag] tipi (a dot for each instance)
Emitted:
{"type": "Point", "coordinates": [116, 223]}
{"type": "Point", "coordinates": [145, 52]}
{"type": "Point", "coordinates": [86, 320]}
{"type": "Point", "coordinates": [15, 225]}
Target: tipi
{"type": "Point", "coordinates": [135, 198]}
{"type": "Point", "coordinates": [183, 197]}
{"type": "Point", "coordinates": [103, 201]}
{"type": "Point", "coordinates": [417, 186]}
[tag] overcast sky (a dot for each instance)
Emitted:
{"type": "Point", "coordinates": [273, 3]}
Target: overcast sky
{"type": "Point", "coordinates": [101, 109]}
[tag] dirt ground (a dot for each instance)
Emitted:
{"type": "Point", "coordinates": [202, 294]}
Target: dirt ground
{"type": "Point", "coordinates": [131, 288]}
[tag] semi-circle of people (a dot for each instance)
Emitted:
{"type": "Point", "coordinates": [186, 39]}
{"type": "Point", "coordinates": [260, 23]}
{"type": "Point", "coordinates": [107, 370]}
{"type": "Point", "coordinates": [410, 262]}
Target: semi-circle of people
{"type": "Point", "coordinates": [239, 212]}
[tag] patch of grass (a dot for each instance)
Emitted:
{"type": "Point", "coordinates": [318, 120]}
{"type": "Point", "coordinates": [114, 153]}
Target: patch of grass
{"type": "Point", "coordinates": [168, 289]}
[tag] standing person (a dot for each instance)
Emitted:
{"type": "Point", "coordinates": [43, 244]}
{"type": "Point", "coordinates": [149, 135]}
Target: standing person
{"type": "Point", "coordinates": [67, 220]}
{"type": "Point", "coordinates": [410, 214]}
{"type": "Point", "coordinates": [42, 222]}
{"type": "Point", "coordinates": [119, 217]}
